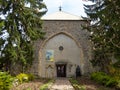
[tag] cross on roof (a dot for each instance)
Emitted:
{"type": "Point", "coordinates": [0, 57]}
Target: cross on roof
{"type": "Point", "coordinates": [60, 8]}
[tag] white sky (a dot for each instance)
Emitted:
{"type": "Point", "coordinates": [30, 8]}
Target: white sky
{"type": "Point", "coordinates": [74, 7]}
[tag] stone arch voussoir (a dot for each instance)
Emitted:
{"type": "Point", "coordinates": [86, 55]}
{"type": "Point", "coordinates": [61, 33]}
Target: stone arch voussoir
{"type": "Point", "coordinates": [63, 32]}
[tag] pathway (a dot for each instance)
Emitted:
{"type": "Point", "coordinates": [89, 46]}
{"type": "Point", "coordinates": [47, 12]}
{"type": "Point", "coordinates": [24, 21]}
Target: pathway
{"type": "Point", "coordinates": [62, 84]}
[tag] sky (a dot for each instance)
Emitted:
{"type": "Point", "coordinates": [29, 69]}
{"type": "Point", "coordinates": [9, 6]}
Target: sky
{"type": "Point", "coordinates": [74, 7]}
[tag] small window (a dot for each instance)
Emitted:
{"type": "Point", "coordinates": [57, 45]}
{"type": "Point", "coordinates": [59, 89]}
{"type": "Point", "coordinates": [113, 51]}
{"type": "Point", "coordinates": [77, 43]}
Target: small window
{"type": "Point", "coordinates": [61, 48]}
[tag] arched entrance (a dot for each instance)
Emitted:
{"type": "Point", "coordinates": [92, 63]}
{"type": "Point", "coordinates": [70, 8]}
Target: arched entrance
{"type": "Point", "coordinates": [62, 53]}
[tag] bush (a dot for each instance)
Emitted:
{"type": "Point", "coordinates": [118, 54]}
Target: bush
{"type": "Point", "coordinates": [112, 82]}
{"type": "Point", "coordinates": [31, 77]}
{"type": "Point", "coordinates": [5, 81]}
{"type": "Point", "coordinates": [104, 79]}
{"type": "Point", "coordinates": [24, 77]}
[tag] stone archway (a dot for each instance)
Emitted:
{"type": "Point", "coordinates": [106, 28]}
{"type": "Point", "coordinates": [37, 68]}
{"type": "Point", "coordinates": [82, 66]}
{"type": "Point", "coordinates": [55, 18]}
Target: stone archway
{"type": "Point", "coordinates": [70, 52]}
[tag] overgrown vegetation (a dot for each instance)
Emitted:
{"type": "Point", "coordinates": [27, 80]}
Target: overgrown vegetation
{"type": "Point", "coordinates": [76, 84]}
{"type": "Point", "coordinates": [104, 79]}
{"type": "Point", "coordinates": [22, 77]}
{"type": "Point", "coordinates": [6, 81]}
{"type": "Point", "coordinates": [47, 85]}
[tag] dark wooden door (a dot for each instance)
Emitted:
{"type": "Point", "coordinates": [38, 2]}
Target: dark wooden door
{"type": "Point", "coordinates": [61, 70]}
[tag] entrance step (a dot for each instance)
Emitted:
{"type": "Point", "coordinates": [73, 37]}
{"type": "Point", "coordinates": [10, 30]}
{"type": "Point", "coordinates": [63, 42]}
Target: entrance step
{"type": "Point", "coordinates": [62, 84]}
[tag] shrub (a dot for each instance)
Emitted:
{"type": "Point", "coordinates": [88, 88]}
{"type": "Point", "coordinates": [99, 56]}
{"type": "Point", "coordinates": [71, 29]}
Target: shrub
{"type": "Point", "coordinates": [104, 79]}
{"type": "Point", "coordinates": [22, 77]}
{"type": "Point", "coordinates": [99, 77]}
{"type": "Point", "coordinates": [5, 81]}
{"type": "Point", "coordinates": [118, 86]}
{"type": "Point", "coordinates": [112, 82]}
{"type": "Point", "coordinates": [31, 77]}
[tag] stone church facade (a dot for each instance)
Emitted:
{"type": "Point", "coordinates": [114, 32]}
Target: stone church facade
{"type": "Point", "coordinates": [65, 47]}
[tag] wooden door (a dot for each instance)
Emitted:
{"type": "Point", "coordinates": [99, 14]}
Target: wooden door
{"type": "Point", "coordinates": [61, 70]}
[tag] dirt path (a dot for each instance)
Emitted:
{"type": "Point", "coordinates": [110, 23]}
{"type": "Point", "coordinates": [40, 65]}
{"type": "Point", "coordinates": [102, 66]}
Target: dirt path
{"type": "Point", "coordinates": [62, 84]}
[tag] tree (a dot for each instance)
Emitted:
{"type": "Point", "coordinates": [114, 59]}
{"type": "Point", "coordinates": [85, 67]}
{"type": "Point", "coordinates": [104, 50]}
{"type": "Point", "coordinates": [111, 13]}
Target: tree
{"type": "Point", "coordinates": [20, 25]}
{"type": "Point", "coordinates": [105, 30]}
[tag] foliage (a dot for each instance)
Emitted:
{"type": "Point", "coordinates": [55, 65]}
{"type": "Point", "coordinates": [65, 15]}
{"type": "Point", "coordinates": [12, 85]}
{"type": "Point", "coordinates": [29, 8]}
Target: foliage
{"type": "Point", "coordinates": [6, 81]}
{"type": "Point", "coordinates": [20, 24]}
{"type": "Point", "coordinates": [76, 85]}
{"type": "Point", "coordinates": [22, 77]}
{"type": "Point", "coordinates": [104, 79]}
{"type": "Point", "coordinates": [46, 86]}
{"type": "Point", "coordinates": [28, 89]}
{"type": "Point", "coordinates": [31, 77]}
{"type": "Point", "coordinates": [114, 71]}
{"type": "Point", "coordinates": [104, 29]}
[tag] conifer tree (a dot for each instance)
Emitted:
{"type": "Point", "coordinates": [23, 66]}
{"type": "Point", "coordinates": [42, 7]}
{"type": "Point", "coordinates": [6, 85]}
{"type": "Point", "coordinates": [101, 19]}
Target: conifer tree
{"type": "Point", "coordinates": [105, 30]}
{"type": "Point", "coordinates": [20, 25]}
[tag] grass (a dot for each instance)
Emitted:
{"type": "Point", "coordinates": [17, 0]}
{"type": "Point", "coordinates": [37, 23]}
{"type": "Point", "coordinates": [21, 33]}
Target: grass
{"type": "Point", "coordinates": [28, 89]}
{"type": "Point", "coordinates": [46, 85]}
{"type": "Point", "coordinates": [76, 85]}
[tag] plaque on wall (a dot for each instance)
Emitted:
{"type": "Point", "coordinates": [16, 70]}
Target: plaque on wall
{"type": "Point", "coordinates": [50, 55]}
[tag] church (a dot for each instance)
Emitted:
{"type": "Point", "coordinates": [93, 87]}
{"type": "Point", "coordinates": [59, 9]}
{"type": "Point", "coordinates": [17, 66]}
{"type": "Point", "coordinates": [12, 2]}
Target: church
{"type": "Point", "coordinates": [65, 47]}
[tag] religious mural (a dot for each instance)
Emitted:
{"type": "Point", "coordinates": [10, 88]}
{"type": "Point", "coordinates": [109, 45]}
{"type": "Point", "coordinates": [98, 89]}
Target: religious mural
{"type": "Point", "coordinates": [50, 55]}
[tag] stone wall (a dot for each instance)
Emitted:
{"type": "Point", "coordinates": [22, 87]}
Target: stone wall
{"type": "Point", "coordinates": [71, 28]}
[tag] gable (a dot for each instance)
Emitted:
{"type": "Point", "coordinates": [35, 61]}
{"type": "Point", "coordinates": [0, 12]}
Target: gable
{"type": "Point", "coordinates": [60, 15]}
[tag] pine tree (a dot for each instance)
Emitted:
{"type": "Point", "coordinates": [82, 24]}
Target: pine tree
{"type": "Point", "coordinates": [105, 30]}
{"type": "Point", "coordinates": [20, 25]}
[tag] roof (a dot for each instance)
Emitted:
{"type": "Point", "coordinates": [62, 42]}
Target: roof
{"type": "Point", "coordinates": [60, 15]}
